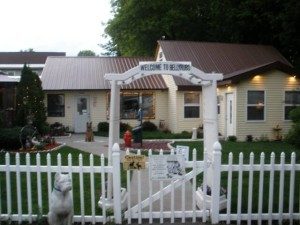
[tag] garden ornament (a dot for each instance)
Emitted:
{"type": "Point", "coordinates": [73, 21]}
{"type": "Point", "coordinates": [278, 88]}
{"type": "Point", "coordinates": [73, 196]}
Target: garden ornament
{"type": "Point", "coordinates": [61, 203]}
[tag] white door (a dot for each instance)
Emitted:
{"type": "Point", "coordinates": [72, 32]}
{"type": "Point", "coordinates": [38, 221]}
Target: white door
{"type": "Point", "coordinates": [230, 115]}
{"type": "Point", "coordinates": [82, 113]}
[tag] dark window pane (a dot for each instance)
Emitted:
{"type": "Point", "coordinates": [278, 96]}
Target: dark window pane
{"type": "Point", "coordinates": [287, 110]}
{"type": "Point", "coordinates": [148, 106]}
{"type": "Point", "coordinates": [56, 105]}
{"type": "Point", "coordinates": [129, 106]}
{"type": "Point", "coordinates": [255, 113]}
{"type": "Point", "coordinates": [191, 112]}
{"type": "Point", "coordinates": [256, 97]}
{"type": "Point", "coordinates": [292, 97]}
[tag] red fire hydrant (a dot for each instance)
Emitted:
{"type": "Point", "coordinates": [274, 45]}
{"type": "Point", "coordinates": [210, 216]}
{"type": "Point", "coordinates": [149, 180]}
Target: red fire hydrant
{"type": "Point", "coordinates": [127, 138]}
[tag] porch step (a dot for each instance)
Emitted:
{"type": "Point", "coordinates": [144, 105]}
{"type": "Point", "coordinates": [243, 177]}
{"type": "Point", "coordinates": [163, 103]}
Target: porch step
{"type": "Point", "coordinates": [145, 184]}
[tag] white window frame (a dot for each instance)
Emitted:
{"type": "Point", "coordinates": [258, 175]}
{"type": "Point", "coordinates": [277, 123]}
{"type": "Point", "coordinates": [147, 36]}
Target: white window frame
{"type": "Point", "coordinates": [288, 104]}
{"type": "Point", "coordinates": [249, 105]}
{"type": "Point", "coordinates": [191, 105]}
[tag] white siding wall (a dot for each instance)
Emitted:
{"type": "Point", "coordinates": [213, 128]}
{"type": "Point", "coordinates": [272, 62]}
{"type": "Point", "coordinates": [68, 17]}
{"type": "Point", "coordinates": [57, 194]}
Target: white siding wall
{"type": "Point", "coordinates": [274, 83]}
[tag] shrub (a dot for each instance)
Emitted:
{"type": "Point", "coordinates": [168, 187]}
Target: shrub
{"type": "Point", "coordinates": [249, 138]}
{"type": "Point", "coordinates": [57, 129]}
{"type": "Point", "coordinates": [103, 127]}
{"type": "Point", "coordinates": [294, 133]}
{"type": "Point", "coordinates": [149, 126]}
{"type": "Point", "coordinates": [124, 127]}
{"type": "Point", "coordinates": [232, 138]}
{"type": "Point", "coordinates": [10, 138]}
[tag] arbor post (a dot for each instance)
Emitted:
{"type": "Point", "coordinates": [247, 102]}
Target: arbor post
{"type": "Point", "coordinates": [114, 128]}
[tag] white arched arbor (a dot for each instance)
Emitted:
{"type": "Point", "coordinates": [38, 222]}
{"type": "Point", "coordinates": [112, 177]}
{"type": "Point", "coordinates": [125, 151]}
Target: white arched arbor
{"type": "Point", "coordinates": [185, 70]}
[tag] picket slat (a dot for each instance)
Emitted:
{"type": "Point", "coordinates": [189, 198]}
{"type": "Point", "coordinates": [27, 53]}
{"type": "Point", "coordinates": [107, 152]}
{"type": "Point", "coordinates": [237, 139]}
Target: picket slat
{"type": "Point", "coordinates": [250, 189]}
{"type": "Point", "coordinates": [19, 188]}
{"type": "Point", "coordinates": [28, 181]}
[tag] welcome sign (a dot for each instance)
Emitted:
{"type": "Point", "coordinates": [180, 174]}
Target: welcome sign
{"type": "Point", "coordinates": [163, 67]}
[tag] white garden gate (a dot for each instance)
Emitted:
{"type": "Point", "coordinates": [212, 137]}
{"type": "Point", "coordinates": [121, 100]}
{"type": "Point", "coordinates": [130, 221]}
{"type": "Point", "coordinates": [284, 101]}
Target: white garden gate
{"type": "Point", "coordinates": [185, 70]}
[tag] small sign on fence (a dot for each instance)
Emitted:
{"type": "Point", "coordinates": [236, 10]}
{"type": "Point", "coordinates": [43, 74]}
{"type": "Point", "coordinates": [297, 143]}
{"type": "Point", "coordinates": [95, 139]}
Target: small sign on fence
{"type": "Point", "coordinates": [183, 150]}
{"type": "Point", "coordinates": [134, 162]}
{"type": "Point", "coordinates": [166, 167]}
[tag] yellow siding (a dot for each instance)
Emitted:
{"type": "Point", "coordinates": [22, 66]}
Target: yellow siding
{"type": "Point", "coordinates": [171, 120]}
{"type": "Point", "coordinates": [98, 108]}
{"type": "Point", "coordinates": [186, 124]}
{"type": "Point", "coordinates": [274, 83]}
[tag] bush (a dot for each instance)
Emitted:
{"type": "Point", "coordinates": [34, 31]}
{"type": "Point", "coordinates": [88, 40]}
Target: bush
{"type": "Point", "coordinates": [57, 129]}
{"type": "Point", "coordinates": [249, 138]}
{"type": "Point", "coordinates": [232, 138]}
{"type": "Point", "coordinates": [124, 127]}
{"type": "Point", "coordinates": [10, 138]}
{"type": "Point", "coordinates": [149, 126]}
{"type": "Point", "coordinates": [294, 133]}
{"type": "Point", "coordinates": [103, 127]}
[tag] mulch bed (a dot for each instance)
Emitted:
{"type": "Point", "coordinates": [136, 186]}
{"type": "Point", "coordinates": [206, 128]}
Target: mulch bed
{"type": "Point", "coordinates": [154, 145]}
{"type": "Point", "coordinates": [47, 148]}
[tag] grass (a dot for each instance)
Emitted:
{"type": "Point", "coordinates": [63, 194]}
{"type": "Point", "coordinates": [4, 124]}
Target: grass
{"type": "Point", "coordinates": [256, 148]}
{"type": "Point", "coordinates": [76, 189]}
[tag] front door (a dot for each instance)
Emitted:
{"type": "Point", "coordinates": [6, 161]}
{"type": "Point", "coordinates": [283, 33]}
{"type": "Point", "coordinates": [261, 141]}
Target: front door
{"type": "Point", "coordinates": [230, 115]}
{"type": "Point", "coordinates": [82, 113]}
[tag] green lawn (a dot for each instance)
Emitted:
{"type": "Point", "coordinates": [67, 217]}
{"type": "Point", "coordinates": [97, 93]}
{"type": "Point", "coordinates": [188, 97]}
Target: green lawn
{"type": "Point", "coordinates": [256, 148]}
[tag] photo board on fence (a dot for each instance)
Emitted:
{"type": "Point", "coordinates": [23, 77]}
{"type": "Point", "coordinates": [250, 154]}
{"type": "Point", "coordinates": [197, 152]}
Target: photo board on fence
{"type": "Point", "coordinates": [183, 150]}
{"type": "Point", "coordinates": [166, 167]}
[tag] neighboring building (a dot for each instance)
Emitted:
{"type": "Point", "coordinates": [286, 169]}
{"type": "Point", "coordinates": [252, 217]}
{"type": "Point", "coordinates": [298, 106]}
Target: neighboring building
{"type": "Point", "coordinates": [76, 91]}
{"type": "Point", "coordinates": [12, 62]}
{"type": "Point", "coordinates": [11, 65]}
{"type": "Point", "coordinates": [259, 89]}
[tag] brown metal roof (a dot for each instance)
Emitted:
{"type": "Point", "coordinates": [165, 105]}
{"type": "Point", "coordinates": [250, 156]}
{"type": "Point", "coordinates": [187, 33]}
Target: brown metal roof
{"type": "Point", "coordinates": [87, 73]}
{"type": "Point", "coordinates": [27, 57]}
{"type": "Point", "coordinates": [229, 59]}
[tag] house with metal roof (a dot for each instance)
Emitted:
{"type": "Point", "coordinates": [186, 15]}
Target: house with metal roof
{"type": "Point", "coordinates": [259, 89]}
{"type": "Point", "coordinates": [76, 91]}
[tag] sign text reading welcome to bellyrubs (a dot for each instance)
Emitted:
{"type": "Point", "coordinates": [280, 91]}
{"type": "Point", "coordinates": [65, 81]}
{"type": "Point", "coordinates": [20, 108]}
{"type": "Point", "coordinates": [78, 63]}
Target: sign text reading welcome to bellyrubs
{"type": "Point", "coordinates": [161, 67]}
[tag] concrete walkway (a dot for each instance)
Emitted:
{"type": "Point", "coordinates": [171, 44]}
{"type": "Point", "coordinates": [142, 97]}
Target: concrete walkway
{"type": "Point", "coordinates": [100, 146]}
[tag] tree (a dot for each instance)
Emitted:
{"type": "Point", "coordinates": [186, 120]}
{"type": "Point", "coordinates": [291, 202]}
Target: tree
{"type": "Point", "coordinates": [294, 133]}
{"type": "Point", "coordinates": [86, 53]}
{"type": "Point", "coordinates": [30, 100]}
{"type": "Point", "coordinates": [137, 25]}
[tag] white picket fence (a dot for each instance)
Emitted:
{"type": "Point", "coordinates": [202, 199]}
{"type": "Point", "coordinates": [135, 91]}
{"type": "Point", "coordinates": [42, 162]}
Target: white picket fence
{"type": "Point", "coordinates": [266, 174]}
{"type": "Point", "coordinates": [31, 179]}
{"type": "Point", "coordinates": [20, 177]}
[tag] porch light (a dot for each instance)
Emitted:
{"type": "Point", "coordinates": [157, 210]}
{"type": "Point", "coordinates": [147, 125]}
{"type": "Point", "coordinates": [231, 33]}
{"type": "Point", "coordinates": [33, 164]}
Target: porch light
{"type": "Point", "coordinates": [257, 77]}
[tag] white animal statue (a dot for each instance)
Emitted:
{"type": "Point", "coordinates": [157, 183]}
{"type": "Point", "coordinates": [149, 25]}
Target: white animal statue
{"type": "Point", "coordinates": [61, 203]}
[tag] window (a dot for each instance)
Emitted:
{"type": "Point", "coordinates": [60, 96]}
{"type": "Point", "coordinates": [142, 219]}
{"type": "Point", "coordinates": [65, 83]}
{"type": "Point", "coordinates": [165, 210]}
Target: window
{"type": "Point", "coordinates": [256, 105]}
{"type": "Point", "coordinates": [191, 105]}
{"type": "Point", "coordinates": [56, 105]}
{"type": "Point", "coordinates": [292, 100]}
{"type": "Point", "coordinates": [131, 102]}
